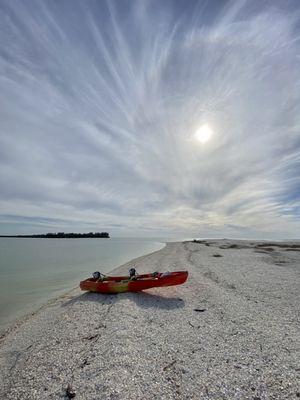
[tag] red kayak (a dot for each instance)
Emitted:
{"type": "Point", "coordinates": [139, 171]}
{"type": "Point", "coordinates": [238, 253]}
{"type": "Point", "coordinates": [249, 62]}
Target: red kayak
{"type": "Point", "coordinates": [121, 284]}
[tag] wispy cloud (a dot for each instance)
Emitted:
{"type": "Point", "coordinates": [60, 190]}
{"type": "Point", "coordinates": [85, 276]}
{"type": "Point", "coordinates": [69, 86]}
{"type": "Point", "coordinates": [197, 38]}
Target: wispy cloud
{"type": "Point", "coordinates": [99, 102]}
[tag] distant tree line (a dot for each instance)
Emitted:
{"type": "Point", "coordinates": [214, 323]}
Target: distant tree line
{"type": "Point", "coordinates": [63, 235]}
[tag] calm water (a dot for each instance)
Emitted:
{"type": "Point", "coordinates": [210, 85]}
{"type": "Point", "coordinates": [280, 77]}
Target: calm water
{"type": "Point", "coordinates": [33, 271]}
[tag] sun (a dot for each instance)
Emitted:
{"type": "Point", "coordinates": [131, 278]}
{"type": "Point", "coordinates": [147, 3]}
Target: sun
{"type": "Point", "coordinates": [203, 134]}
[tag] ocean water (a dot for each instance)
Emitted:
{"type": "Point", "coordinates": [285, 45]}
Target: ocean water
{"type": "Point", "coordinates": [33, 271]}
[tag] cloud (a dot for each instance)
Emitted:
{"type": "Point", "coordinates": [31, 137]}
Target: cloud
{"type": "Point", "coordinates": [99, 103]}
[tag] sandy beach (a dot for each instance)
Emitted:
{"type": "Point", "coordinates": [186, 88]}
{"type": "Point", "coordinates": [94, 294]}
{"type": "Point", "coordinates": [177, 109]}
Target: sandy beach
{"type": "Point", "coordinates": [230, 332]}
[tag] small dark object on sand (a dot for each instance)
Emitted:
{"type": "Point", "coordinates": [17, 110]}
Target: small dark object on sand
{"type": "Point", "coordinates": [70, 392]}
{"type": "Point", "coordinates": [169, 365]}
{"type": "Point", "coordinates": [217, 255]}
{"type": "Point", "coordinates": [200, 309]}
{"type": "Point", "coordinates": [84, 363]}
{"type": "Point", "coordinates": [91, 337]}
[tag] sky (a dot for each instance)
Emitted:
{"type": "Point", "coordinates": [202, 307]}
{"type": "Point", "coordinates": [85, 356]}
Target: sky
{"type": "Point", "coordinates": [104, 104]}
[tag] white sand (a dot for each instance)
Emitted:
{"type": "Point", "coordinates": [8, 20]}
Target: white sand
{"type": "Point", "coordinates": [243, 344]}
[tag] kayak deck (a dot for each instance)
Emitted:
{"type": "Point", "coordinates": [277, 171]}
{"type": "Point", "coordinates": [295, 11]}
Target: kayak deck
{"type": "Point", "coordinates": [121, 284]}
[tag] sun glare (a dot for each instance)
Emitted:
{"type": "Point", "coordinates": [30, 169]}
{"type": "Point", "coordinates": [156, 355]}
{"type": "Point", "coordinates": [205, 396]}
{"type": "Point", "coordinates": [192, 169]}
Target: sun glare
{"type": "Point", "coordinates": [203, 134]}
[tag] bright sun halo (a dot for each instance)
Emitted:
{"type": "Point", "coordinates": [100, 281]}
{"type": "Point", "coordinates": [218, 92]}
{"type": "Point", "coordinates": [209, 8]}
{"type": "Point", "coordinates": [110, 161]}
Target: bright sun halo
{"type": "Point", "coordinates": [203, 134]}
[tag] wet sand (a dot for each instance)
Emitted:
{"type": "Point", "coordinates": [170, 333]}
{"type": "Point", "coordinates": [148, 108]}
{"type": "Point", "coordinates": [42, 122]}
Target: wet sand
{"type": "Point", "coordinates": [230, 332]}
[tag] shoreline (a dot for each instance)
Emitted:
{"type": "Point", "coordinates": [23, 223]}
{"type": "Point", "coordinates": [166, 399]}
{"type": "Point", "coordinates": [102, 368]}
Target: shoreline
{"type": "Point", "coordinates": [230, 332]}
{"type": "Point", "coordinates": [17, 323]}
{"type": "Point", "coordinates": [26, 303]}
